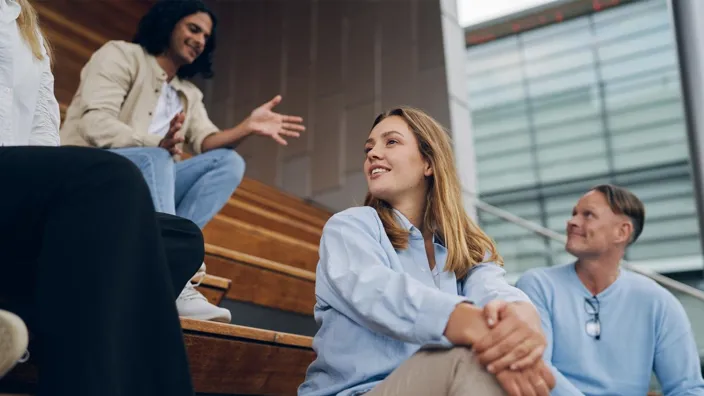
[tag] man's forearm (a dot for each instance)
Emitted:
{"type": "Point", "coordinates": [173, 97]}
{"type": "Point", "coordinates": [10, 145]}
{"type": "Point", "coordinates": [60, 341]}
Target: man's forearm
{"type": "Point", "coordinates": [231, 137]}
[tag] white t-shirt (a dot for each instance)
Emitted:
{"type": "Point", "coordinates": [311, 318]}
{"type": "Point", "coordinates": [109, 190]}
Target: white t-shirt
{"type": "Point", "coordinates": [168, 105]}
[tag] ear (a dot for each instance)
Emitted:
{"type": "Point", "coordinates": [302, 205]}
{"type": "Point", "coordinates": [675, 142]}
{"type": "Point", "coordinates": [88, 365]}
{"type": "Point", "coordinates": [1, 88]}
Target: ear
{"type": "Point", "coordinates": [624, 232]}
{"type": "Point", "coordinates": [428, 171]}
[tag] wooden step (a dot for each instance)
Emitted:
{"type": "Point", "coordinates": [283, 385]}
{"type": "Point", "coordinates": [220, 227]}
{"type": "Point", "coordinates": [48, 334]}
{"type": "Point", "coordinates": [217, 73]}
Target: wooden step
{"type": "Point", "coordinates": [263, 282]}
{"type": "Point", "coordinates": [289, 200]}
{"type": "Point", "coordinates": [214, 288]}
{"type": "Point", "coordinates": [224, 359]}
{"type": "Point", "coordinates": [237, 360]}
{"type": "Point", "coordinates": [254, 214]}
{"type": "Point", "coordinates": [280, 207]}
{"type": "Point", "coordinates": [260, 242]}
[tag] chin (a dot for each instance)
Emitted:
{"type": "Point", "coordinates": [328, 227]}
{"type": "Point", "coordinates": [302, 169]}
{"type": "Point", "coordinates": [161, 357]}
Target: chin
{"type": "Point", "coordinates": [381, 193]}
{"type": "Point", "coordinates": [572, 249]}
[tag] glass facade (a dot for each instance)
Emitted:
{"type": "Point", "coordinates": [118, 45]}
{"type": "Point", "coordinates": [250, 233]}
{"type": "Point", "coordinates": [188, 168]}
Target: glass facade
{"type": "Point", "coordinates": [561, 108]}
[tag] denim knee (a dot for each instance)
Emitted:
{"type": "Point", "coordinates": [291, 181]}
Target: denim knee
{"type": "Point", "coordinates": [157, 155]}
{"type": "Point", "coordinates": [233, 163]}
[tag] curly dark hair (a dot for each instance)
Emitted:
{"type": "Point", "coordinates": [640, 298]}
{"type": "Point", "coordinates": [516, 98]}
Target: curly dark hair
{"type": "Point", "coordinates": [155, 29]}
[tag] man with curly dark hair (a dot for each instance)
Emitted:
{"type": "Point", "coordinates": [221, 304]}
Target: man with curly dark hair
{"type": "Point", "coordinates": [136, 100]}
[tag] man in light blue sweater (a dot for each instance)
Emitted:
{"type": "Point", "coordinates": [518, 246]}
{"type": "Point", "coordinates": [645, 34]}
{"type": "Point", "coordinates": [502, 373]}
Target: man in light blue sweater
{"type": "Point", "coordinates": [607, 328]}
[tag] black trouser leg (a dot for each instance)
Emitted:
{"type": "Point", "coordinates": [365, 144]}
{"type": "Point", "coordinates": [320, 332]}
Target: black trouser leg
{"type": "Point", "coordinates": [184, 246]}
{"type": "Point", "coordinates": [82, 224]}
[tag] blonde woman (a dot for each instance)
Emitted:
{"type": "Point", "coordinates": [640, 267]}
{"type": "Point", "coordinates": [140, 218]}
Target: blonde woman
{"type": "Point", "coordinates": [401, 282]}
{"type": "Point", "coordinates": [83, 256]}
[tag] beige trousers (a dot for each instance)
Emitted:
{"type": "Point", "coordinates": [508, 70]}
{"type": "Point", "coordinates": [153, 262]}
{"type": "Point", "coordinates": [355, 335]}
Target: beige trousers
{"type": "Point", "coordinates": [452, 372]}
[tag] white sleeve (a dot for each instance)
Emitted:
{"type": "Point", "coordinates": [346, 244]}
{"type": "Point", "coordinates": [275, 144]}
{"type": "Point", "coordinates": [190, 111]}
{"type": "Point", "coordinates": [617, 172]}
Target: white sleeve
{"type": "Point", "coordinates": [46, 120]}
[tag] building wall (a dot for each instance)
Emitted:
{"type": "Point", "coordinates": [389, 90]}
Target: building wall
{"type": "Point", "coordinates": [337, 63]}
{"type": "Point", "coordinates": [559, 109]}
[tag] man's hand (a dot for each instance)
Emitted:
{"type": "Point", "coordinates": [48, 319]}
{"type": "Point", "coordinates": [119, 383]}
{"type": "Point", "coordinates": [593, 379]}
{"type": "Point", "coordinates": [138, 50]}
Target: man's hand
{"type": "Point", "coordinates": [265, 122]}
{"type": "Point", "coordinates": [170, 140]}
{"type": "Point", "coordinates": [516, 340]}
{"type": "Point", "coordinates": [533, 381]}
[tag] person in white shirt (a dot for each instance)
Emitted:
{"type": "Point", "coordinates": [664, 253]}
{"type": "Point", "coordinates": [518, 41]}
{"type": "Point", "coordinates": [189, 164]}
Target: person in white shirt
{"type": "Point", "coordinates": [139, 100]}
{"type": "Point", "coordinates": [89, 266]}
{"type": "Point", "coordinates": [27, 102]}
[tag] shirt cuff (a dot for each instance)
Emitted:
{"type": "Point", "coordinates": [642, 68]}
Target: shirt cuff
{"type": "Point", "coordinates": [433, 317]}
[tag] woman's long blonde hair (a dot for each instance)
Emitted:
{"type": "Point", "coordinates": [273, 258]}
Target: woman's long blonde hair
{"type": "Point", "coordinates": [28, 24]}
{"type": "Point", "coordinates": [444, 215]}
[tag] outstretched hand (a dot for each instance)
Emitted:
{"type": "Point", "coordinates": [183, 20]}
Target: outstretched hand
{"type": "Point", "coordinates": [265, 122]}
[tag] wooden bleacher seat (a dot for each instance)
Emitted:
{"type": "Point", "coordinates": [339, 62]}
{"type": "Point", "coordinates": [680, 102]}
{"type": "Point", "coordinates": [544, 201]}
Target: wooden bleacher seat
{"type": "Point", "coordinates": [263, 282]}
{"type": "Point", "coordinates": [273, 199]}
{"type": "Point", "coordinates": [251, 213]}
{"type": "Point", "coordinates": [237, 360]}
{"type": "Point", "coordinates": [225, 360]}
{"type": "Point", "coordinates": [214, 288]}
{"type": "Point", "coordinates": [258, 241]}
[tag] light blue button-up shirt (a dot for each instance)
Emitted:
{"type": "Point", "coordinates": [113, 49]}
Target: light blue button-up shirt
{"type": "Point", "coordinates": [376, 306]}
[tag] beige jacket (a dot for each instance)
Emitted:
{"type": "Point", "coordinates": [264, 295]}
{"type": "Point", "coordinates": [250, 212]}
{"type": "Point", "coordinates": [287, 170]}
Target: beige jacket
{"type": "Point", "coordinates": [119, 89]}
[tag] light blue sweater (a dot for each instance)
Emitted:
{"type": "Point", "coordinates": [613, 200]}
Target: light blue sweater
{"type": "Point", "coordinates": [643, 329]}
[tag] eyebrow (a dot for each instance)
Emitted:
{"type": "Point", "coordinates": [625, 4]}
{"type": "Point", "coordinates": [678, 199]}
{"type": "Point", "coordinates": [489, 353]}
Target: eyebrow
{"type": "Point", "coordinates": [200, 28]}
{"type": "Point", "coordinates": [383, 135]}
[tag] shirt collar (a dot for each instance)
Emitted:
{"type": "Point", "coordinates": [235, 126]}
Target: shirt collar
{"type": "Point", "coordinates": [9, 10]}
{"type": "Point", "coordinates": [415, 232]}
{"type": "Point", "coordinates": [175, 82]}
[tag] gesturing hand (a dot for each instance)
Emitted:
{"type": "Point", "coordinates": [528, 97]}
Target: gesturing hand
{"type": "Point", "coordinates": [265, 122]}
{"type": "Point", "coordinates": [533, 381]}
{"type": "Point", "coordinates": [516, 339]}
{"type": "Point", "coordinates": [170, 140]}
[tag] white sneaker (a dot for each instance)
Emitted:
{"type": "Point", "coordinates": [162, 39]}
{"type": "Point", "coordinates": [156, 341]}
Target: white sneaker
{"type": "Point", "coordinates": [13, 341]}
{"type": "Point", "coordinates": [199, 275]}
{"type": "Point", "coordinates": [191, 304]}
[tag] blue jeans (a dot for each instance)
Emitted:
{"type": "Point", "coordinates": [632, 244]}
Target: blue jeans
{"type": "Point", "coordinates": [196, 188]}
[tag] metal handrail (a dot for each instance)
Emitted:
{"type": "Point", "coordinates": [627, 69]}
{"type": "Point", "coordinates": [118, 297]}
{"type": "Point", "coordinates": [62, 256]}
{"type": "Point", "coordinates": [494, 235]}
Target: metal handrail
{"type": "Point", "coordinates": [548, 233]}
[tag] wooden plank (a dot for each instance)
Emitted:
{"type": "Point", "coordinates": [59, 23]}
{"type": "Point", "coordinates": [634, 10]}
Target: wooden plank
{"type": "Point", "coordinates": [234, 367]}
{"type": "Point", "coordinates": [294, 340]}
{"type": "Point", "coordinates": [261, 286]}
{"type": "Point", "coordinates": [251, 213]}
{"type": "Point", "coordinates": [278, 207]}
{"type": "Point", "coordinates": [224, 359]}
{"type": "Point", "coordinates": [249, 333]}
{"type": "Point", "coordinates": [259, 262]}
{"type": "Point", "coordinates": [290, 200]}
{"type": "Point", "coordinates": [216, 282]}
{"type": "Point", "coordinates": [256, 241]}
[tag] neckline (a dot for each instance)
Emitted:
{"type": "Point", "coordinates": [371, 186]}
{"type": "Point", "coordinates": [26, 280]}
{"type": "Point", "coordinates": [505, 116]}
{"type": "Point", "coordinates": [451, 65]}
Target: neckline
{"type": "Point", "coordinates": [604, 293]}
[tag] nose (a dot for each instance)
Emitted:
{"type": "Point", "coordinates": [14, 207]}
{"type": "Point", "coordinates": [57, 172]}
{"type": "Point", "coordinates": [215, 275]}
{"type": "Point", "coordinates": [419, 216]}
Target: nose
{"type": "Point", "coordinates": [199, 41]}
{"type": "Point", "coordinates": [374, 154]}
